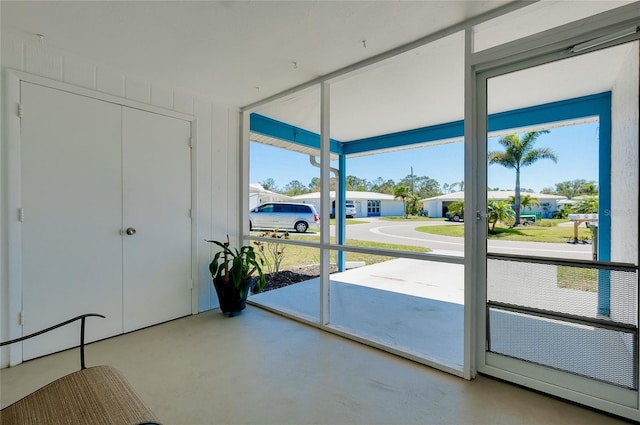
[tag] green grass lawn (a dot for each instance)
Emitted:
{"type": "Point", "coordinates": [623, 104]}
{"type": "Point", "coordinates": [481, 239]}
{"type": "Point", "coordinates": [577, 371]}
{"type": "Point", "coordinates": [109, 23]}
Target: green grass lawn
{"type": "Point", "coordinates": [349, 221]}
{"type": "Point", "coordinates": [547, 231]}
{"type": "Point", "coordinates": [301, 255]}
{"type": "Point", "coordinates": [581, 279]}
{"type": "Point", "coordinates": [410, 218]}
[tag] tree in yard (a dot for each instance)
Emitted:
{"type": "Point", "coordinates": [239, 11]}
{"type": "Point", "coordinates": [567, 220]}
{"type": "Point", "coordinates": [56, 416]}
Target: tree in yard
{"type": "Point", "coordinates": [294, 188]}
{"type": "Point", "coordinates": [589, 188]}
{"type": "Point", "coordinates": [520, 152]}
{"type": "Point", "coordinates": [423, 186]}
{"type": "Point", "coordinates": [356, 183]}
{"type": "Point", "coordinates": [453, 187]}
{"type": "Point", "coordinates": [383, 186]}
{"type": "Point", "coordinates": [455, 208]}
{"type": "Point", "coordinates": [573, 188]}
{"type": "Point", "coordinates": [587, 205]}
{"type": "Point", "coordinates": [269, 184]}
{"type": "Point", "coordinates": [413, 205]}
{"type": "Point", "coordinates": [402, 192]}
{"type": "Point", "coordinates": [499, 211]}
{"type": "Point", "coordinates": [314, 186]}
{"type": "Point", "coordinates": [526, 201]}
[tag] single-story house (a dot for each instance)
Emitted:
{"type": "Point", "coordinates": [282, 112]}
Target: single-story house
{"type": "Point", "coordinates": [258, 195]}
{"type": "Point", "coordinates": [437, 205]}
{"type": "Point", "coordinates": [368, 204]}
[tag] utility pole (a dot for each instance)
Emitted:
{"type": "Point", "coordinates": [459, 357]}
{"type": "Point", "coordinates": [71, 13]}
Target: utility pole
{"type": "Point", "coordinates": [412, 179]}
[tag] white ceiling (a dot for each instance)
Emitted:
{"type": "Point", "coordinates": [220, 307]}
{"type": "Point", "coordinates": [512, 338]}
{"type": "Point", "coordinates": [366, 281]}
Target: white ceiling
{"type": "Point", "coordinates": [226, 50]}
{"type": "Point", "coordinates": [238, 52]}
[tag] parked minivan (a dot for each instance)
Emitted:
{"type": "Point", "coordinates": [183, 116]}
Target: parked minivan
{"type": "Point", "coordinates": [284, 215]}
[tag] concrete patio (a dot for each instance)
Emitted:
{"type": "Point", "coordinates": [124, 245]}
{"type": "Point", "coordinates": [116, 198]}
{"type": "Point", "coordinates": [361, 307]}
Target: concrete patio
{"type": "Point", "coordinates": [417, 307]}
{"type": "Point", "coordinates": [410, 305]}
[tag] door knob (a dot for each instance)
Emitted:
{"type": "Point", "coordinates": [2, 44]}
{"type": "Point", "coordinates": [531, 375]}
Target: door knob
{"type": "Point", "coordinates": [130, 231]}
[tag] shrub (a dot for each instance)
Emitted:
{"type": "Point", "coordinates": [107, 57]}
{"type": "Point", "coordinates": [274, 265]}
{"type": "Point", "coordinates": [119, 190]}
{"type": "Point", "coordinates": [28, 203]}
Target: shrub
{"type": "Point", "coordinates": [272, 253]}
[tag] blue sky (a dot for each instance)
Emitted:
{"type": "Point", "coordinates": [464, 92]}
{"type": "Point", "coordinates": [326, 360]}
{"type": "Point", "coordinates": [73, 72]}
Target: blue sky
{"type": "Point", "coordinates": [576, 147]}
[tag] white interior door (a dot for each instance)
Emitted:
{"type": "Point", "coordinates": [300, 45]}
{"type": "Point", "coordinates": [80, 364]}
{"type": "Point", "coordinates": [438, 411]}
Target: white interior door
{"type": "Point", "coordinates": [157, 202]}
{"type": "Point", "coordinates": [72, 216]}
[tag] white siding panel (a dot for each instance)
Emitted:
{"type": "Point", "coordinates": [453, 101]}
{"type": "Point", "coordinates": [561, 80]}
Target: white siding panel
{"type": "Point", "coordinates": [78, 71]}
{"type": "Point", "coordinates": [161, 96]}
{"type": "Point", "coordinates": [110, 81]}
{"type": "Point", "coordinates": [12, 53]}
{"type": "Point", "coordinates": [183, 102]}
{"type": "Point", "coordinates": [221, 172]}
{"type": "Point", "coordinates": [42, 61]}
{"type": "Point", "coordinates": [233, 173]}
{"type": "Point", "coordinates": [136, 89]}
{"type": "Point", "coordinates": [204, 210]}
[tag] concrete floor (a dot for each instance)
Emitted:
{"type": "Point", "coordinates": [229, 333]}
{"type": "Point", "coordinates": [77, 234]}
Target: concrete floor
{"type": "Point", "coordinates": [261, 368]}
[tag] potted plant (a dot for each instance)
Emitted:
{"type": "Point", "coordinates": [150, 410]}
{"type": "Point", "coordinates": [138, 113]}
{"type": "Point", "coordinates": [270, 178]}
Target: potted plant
{"type": "Point", "coordinates": [235, 272]}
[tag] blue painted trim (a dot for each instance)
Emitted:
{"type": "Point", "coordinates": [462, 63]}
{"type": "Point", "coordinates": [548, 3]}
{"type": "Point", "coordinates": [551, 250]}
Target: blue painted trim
{"type": "Point", "coordinates": [604, 292]}
{"type": "Point", "coordinates": [579, 107]}
{"type": "Point", "coordinates": [290, 133]}
{"type": "Point", "coordinates": [403, 138]}
{"type": "Point", "coordinates": [342, 210]}
{"type": "Point", "coordinates": [604, 182]}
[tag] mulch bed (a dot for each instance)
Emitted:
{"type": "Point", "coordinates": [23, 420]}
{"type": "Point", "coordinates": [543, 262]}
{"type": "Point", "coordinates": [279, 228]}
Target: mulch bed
{"type": "Point", "coordinates": [294, 275]}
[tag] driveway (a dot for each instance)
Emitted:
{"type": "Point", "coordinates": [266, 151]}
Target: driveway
{"type": "Point", "coordinates": [377, 230]}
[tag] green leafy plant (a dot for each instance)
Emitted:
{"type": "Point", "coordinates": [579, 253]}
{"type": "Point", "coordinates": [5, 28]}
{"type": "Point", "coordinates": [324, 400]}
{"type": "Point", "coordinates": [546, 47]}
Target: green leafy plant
{"type": "Point", "coordinates": [234, 266]}
{"type": "Point", "coordinates": [455, 208]}
{"type": "Point", "coordinates": [587, 205]}
{"type": "Point", "coordinates": [272, 253]}
{"type": "Point", "coordinates": [499, 211]}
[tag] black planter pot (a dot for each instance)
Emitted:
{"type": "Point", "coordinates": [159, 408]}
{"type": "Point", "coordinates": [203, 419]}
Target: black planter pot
{"type": "Point", "coordinates": [233, 300]}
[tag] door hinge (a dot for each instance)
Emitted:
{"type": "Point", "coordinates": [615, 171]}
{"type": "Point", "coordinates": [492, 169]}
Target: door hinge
{"type": "Point", "coordinates": [21, 215]}
{"type": "Point", "coordinates": [190, 212]}
{"type": "Point", "coordinates": [20, 110]}
{"type": "Point", "coordinates": [191, 142]}
{"type": "Point", "coordinates": [21, 318]}
{"type": "Point", "coordinates": [190, 284]}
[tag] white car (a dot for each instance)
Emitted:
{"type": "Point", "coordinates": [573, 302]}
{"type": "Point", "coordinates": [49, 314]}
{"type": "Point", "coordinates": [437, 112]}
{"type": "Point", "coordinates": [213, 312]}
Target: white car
{"type": "Point", "coordinates": [284, 215]}
{"type": "Point", "coordinates": [350, 210]}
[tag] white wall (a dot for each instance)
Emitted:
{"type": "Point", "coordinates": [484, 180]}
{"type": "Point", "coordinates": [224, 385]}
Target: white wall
{"type": "Point", "coordinates": [391, 208]}
{"type": "Point", "coordinates": [624, 161]}
{"type": "Point", "coordinates": [215, 145]}
{"type": "Point", "coordinates": [624, 180]}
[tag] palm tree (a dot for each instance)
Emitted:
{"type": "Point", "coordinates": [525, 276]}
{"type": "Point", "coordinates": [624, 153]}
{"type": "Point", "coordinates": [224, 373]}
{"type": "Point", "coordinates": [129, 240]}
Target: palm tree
{"type": "Point", "coordinates": [414, 206]}
{"type": "Point", "coordinates": [526, 201]}
{"type": "Point", "coordinates": [402, 192]}
{"type": "Point", "coordinates": [455, 209]}
{"type": "Point", "coordinates": [519, 152]}
{"type": "Point", "coordinates": [499, 211]}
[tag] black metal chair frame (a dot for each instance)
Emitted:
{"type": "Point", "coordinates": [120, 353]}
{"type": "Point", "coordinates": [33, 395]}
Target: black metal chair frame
{"type": "Point", "coordinates": [82, 318]}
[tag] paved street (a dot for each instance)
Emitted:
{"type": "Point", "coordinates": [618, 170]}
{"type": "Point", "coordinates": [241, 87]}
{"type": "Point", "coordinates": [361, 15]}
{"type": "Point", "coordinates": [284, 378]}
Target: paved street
{"type": "Point", "coordinates": [377, 230]}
